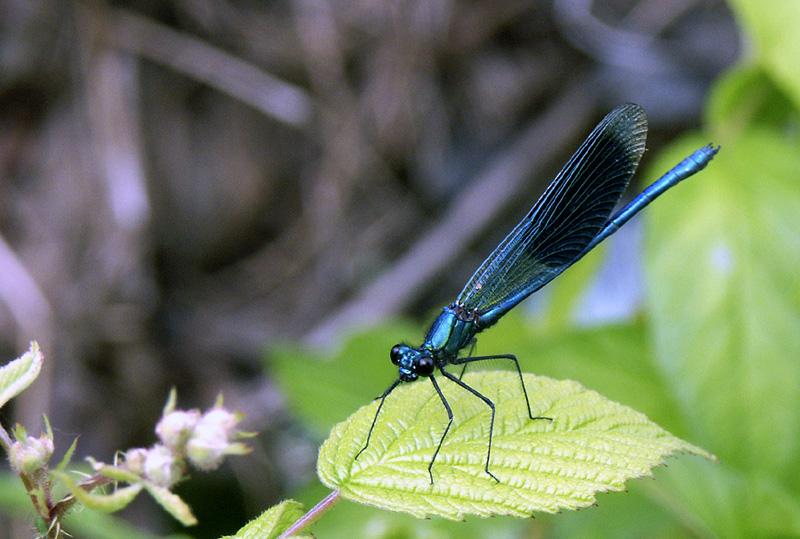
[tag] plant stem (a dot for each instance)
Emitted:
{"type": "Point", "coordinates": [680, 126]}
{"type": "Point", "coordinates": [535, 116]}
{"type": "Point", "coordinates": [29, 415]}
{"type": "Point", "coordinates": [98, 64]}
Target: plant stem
{"type": "Point", "coordinates": [58, 510]}
{"type": "Point", "coordinates": [313, 514]}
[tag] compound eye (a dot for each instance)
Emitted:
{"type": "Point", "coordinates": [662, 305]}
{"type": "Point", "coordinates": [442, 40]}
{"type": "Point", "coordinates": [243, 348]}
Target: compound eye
{"type": "Point", "coordinates": [395, 354]}
{"type": "Point", "coordinates": [425, 366]}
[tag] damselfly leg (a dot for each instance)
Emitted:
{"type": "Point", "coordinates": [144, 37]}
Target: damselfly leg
{"type": "Point", "coordinates": [472, 344]}
{"type": "Point", "coordinates": [446, 429]}
{"type": "Point", "coordinates": [467, 360]}
{"type": "Point", "coordinates": [377, 412]}
{"type": "Point", "coordinates": [489, 403]}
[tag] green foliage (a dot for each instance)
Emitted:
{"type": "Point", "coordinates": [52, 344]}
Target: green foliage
{"type": "Point", "coordinates": [593, 445]}
{"type": "Point", "coordinates": [776, 40]}
{"type": "Point", "coordinates": [107, 503]}
{"type": "Point", "coordinates": [84, 524]}
{"type": "Point", "coordinates": [724, 303]}
{"type": "Point", "coordinates": [272, 522]}
{"type": "Point", "coordinates": [17, 375]}
{"type": "Point", "coordinates": [172, 503]}
{"type": "Point", "coordinates": [726, 329]}
{"type": "Point", "coordinates": [746, 99]}
{"type": "Point", "coordinates": [724, 502]}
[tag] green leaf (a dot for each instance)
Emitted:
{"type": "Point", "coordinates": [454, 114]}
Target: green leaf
{"type": "Point", "coordinates": [631, 515]}
{"type": "Point", "coordinates": [172, 402]}
{"type": "Point", "coordinates": [65, 460]}
{"type": "Point", "coordinates": [719, 501]}
{"type": "Point", "coordinates": [775, 38]}
{"type": "Point", "coordinates": [172, 503]}
{"type": "Point", "coordinates": [272, 522]}
{"type": "Point", "coordinates": [746, 98]}
{"type": "Point", "coordinates": [107, 503]}
{"type": "Point", "coordinates": [118, 474]}
{"type": "Point", "coordinates": [593, 445]}
{"type": "Point", "coordinates": [17, 375]}
{"type": "Point", "coordinates": [722, 258]}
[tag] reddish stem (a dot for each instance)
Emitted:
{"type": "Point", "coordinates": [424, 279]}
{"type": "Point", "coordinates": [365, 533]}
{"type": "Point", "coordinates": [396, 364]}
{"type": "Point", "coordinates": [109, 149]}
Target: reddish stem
{"type": "Point", "coordinates": [313, 514]}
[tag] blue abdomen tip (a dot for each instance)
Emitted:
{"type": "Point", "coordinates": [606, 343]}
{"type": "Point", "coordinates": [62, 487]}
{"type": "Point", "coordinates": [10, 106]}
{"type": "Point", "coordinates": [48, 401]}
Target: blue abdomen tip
{"type": "Point", "coordinates": [702, 156]}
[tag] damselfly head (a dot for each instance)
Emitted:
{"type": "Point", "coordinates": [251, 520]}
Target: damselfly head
{"type": "Point", "coordinates": [411, 363]}
{"type": "Point", "coordinates": [397, 352]}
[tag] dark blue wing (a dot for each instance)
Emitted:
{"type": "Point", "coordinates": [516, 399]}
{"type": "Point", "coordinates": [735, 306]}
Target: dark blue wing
{"type": "Point", "coordinates": [565, 219]}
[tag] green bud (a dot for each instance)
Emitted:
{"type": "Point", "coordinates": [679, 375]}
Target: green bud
{"type": "Point", "coordinates": [30, 454]}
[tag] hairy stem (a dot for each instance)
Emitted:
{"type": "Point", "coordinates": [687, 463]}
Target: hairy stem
{"type": "Point", "coordinates": [58, 510]}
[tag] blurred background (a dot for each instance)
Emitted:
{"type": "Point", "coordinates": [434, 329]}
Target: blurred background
{"type": "Point", "coordinates": [260, 198]}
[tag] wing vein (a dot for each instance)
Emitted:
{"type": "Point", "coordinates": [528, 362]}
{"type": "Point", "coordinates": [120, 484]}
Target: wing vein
{"type": "Point", "coordinates": [567, 216]}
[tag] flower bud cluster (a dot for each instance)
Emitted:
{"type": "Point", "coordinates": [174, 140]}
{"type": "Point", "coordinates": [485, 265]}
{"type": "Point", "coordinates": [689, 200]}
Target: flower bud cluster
{"type": "Point", "coordinates": [202, 439]}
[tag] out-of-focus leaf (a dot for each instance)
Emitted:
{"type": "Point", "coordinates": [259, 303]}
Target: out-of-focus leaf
{"type": "Point", "coordinates": [594, 445]}
{"type": "Point", "coordinates": [84, 524]}
{"type": "Point", "coordinates": [17, 375]}
{"type": "Point", "coordinates": [722, 262]}
{"type": "Point", "coordinates": [745, 98]}
{"type": "Point", "coordinates": [322, 391]}
{"type": "Point", "coordinates": [773, 29]}
{"type": "Point", "coordinates": [272, 522]}
{"type": "Point", "coordinates": [564, 294]}
{"type": "Point", "coordinates": [629, 515]}
{"type": "Point", "coordinates": [718, 501]}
